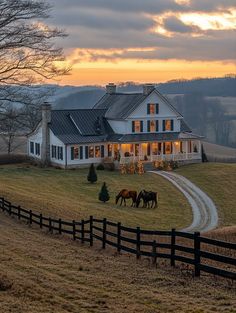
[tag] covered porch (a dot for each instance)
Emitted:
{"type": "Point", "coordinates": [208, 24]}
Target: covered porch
{"type": "Point", "coordinates": [156, 151]}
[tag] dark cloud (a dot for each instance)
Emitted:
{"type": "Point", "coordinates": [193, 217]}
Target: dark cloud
{"type": "Point", "coordinates": [173, 24]}
{"type": "Point", "coordinates": [123, 24]}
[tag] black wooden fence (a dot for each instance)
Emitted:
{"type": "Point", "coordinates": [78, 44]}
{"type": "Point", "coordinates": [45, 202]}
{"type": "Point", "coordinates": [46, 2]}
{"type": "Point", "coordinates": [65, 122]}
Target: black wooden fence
{"type": "Point", "coordinates": [201, 253]}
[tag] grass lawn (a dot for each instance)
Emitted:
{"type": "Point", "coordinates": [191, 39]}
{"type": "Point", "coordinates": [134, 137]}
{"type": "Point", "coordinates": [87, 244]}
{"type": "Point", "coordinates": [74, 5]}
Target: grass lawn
{"type": "Point", "coordinates": [67, 194]}
{"type": "Point", "coordinates": [219, 182]}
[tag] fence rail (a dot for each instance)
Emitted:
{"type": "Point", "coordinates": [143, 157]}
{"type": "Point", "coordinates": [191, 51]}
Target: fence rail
{"type": "Point", "coordinates": [200, 252]}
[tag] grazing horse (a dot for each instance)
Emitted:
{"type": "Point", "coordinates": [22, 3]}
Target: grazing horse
{"type": "Point", "coordinates": [126, 194]}
{"type": "Point", "coordinates": [147, 196]}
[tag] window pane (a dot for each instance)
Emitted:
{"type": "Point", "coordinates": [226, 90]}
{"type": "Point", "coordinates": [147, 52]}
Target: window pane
{"type": "Point", "coordinates": [168, 125]}
{"type": "Point", "coordinates": [152, 108]}
{"type": "Point", "coordinates": [152, 126]}
{"type": "Point", "coordinates": [109, 150]}
{"type": "Point", "coordinates": [137, 126]}
{"type": "Point", "coordinates": [97, 152]}
{"type": "Point", "coordinates": [91, 152]}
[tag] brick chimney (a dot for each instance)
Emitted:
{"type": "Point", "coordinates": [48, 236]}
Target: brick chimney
{"type": "Point", "coordinates": [111, 88]}
{"type": "Point", "coordinates": [46, 119]}
{"type": "Point", "coordinates": [147, 88]}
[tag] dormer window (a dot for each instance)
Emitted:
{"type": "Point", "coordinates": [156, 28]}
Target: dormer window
{"type": "Point", "coordinates": [137, 126]}
{"type": "Point", "coordinates": [152, 108]}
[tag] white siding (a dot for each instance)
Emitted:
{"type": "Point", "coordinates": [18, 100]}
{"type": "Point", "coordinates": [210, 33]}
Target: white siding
{"type": "Point", "coordinates": [36, 137]}
{"type": "Point", "coordinates": [120, 127]}
{"type": "Point", "coordinates": [58, 143]}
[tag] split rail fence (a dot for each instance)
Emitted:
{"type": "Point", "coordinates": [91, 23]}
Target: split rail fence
{"type": "Point", "coordinates": [202, 254]}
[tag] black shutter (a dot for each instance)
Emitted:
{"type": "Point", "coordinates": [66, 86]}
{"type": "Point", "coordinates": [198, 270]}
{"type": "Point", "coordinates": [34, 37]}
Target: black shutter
{"type": "Point", "coordinates": [133, 127]}
{"type": "Point", "coordinates": [157, 126]}
{"type": "Point", "coordinates": [157, 108]}
{"type": "Point", "coordinates": [86, 152]}
{"type": "Point", "coordinates": [172, 124]}
{"type": "Point", "coordinates": [148, 108]}
{"type": "Point", "coordinates": [171, 147]}
{"type": "Point", "coordinates": [141, 126]}
{"type": "Point", "coordinates": [102, 151]}
{"type": "Point", "coordinates": [164, 125]}
{"type": "Point", "coordinates": [148, 149]}
{"type": "Point", "coordinates": [148, 126]}
{"type": "Point", "coordinates": [164, 148]}
{"type": "Point", "coordinates": [72, 153]}
{"type": "Point", "coordinates": [81, 152]}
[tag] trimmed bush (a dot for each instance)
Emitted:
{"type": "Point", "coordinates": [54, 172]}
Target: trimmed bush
{"type": "Point", "coordinates": [92, 175]}
{"type": "Point", "coordinates": [104, 194]}
{"type": "Point", "coordinates": [100, 167]}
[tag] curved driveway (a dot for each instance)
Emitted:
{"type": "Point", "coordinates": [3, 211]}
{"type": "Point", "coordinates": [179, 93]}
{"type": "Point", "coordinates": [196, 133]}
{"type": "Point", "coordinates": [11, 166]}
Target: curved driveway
{"type": "Point", "coordinates": [205, 215]}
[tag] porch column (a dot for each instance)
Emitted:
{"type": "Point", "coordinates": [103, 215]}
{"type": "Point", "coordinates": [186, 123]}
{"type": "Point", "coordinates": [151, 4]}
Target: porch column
{"type": "Point", "coordinates": [186, 149]}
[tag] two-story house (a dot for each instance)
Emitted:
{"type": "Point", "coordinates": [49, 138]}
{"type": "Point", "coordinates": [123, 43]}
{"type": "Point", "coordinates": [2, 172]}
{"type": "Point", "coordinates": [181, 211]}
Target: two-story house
{"type": "Point", "coordinates": [125, 127]}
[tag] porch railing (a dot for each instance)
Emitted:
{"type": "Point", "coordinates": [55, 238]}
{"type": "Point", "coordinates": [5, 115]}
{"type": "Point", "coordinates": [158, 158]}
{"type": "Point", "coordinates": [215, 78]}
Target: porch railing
{"type": "Point", "coordinates": [162, 157]}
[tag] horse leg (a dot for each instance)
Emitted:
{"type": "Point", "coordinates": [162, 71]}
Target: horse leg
{"type": "Point", "coordinates": [121, 201]}
{"type": "Point", "coordinates": [125, 201]}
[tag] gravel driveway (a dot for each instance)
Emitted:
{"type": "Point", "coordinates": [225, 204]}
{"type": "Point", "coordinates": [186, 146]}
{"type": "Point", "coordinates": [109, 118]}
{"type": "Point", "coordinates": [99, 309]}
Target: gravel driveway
{"type": "Point", "coordinates": [205, 215]}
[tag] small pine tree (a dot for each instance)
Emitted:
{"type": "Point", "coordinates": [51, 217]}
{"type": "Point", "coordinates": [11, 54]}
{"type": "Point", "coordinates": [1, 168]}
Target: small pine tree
{"type": "Point", "coordinates": [92, 175]}
{"type": "Point", "coordinates": [104, 194]}
{"type": "Point", "coordinates": [204, 157]}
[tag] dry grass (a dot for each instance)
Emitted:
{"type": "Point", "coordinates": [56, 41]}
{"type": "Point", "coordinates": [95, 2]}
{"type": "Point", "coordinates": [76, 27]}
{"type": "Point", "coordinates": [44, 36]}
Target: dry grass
{"type": "Point", "coordinates": [68, 195]}
{"type": "Point", "coordinates": [52, 274]}
{"type": "Point", "coordinates": [219, 182]}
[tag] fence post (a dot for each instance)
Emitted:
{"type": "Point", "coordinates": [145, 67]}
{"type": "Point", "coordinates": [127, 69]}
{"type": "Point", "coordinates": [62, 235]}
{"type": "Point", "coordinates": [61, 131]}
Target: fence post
{"type": "Point", "coordinates": [10, 208]}
{"type": "Point", "coordinates": [50, 225]}
{"type": "Point", "coordinates": [41, 220]}
{"type": "Point", "coordinates": [91, 230]}
{"type": "Point", "coordinates": [104, 233]}
{"type": "Point", "coordinates": [74, 230]}
{"type": "Point", "coordinates": [138, 243]}
{"type": "Point", "coordinates": [2, 204]}
{"type": "Point", "coordinates": [18, 209]}
{"type": "Point", "coordinates": [154, 252]}
{"type": "Point", "coordinates": [197, 254]}
{"type": "Point", "coordinates": [172, 252]}
{"type": "Point", "coordinates": [30, 217]}
{"type": "Point", "coordinates": [82, 231]}
{"type": "Point", "coordinates": [118, 237]}
{"type": "Point", "coordinates": [59, 226]}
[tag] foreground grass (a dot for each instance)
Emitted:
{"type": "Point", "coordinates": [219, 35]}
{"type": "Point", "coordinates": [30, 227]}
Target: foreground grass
{"type": "Point", "coordinates": [67, 194]}
{"type": "Point", "coordinates": [52, 274]}
{"type": "Point", "coordinates": [219, 182]}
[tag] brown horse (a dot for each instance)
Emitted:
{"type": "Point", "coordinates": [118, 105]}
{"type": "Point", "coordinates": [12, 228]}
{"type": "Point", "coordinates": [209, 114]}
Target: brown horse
{"type": "Point", "coordinates": [126, 194]}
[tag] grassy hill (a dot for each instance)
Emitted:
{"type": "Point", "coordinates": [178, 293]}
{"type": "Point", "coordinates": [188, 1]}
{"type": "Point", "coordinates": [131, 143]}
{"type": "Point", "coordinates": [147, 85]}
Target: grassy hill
{"type": "Point", "coordinates": [67, 194]}
{"type": "Point", "coordinates": [42, 273]}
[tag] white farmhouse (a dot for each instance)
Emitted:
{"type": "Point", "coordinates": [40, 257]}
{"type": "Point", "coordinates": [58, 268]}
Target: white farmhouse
{"type": "Point", "coordinates": [124, 127]}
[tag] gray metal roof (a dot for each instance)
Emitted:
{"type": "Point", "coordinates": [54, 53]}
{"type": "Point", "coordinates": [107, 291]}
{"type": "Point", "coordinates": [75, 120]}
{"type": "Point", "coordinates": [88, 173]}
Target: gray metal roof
{"type": "Point", "coordinates": [151, 137]}
{"type": "Point", "coordinates": [119, 105]}
{"type": "Point", "coordinates": [75, 126]}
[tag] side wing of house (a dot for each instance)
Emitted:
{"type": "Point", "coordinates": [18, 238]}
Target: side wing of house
{"type": "Point", "coordinates": [34, 143]}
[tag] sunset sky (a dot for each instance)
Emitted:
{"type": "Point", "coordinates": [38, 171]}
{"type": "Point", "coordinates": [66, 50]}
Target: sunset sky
{"type": "Point", "coordinates": [146, 40]}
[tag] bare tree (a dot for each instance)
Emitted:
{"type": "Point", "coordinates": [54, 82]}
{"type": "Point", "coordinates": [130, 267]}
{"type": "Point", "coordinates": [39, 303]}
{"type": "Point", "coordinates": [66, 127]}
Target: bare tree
{"type": "Point", "coordinates": [27, 50]}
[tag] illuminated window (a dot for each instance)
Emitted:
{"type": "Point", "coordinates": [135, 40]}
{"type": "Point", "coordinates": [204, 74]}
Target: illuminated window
{"type": "Point", "coordinates": [168, 125]}
{"type": "Point", "coordinates": [97, 151]}
{"type": "Point", "coordinates": [154, 148]}
{"type": "Point", "coordinates": [167, 148]}
{"type": "Point", "coordinates": [109, 150]}
{"type": "Point", "coordinates": [136, 149]}
{"type": "Point", "coordinates": [152, 126]}
{"type": "Point", "coordinates": [91, 152]}
{"type": "Point", "coordinates": [137, 126]}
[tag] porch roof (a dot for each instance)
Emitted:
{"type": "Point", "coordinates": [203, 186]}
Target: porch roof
{"type": "Point", "coordinates": [151, 137]}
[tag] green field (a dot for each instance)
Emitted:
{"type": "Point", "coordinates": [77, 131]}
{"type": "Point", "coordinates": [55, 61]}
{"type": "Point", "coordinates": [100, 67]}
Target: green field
{"type": "Point", "coordinates": [67, 194]}
{"type": "Point", "coordinates": [219, 182]}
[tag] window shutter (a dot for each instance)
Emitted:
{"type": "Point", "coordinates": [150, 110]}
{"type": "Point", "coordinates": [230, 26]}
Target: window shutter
{"type": "Point", "coordinates": [148, 149]}
{"type": "Point", "coordinates": [171, 147]}
{"type": "Point", "coordinates": [102, 151]}
{"type": "Point", "coordinates": [148, 108]}
{"type": "Point", "coordinates": [172, 124]}
{"type": "Point", "coordinates": [81, 152]}
{"type": "Point", "coordinates": [164, 148]}
{"type": "Point", "coordinates": [72, 153]}
{"type": "Point", "coordinates": [86, 152]}
{"type": "Point", "coordinates": [157, 126]}
{"type": "Point", "coordinates": [157, 108]}
{"type": "Point", "coordinates": [133, 129]}
{"type": "Point", "coordinates": [141, 126]}
{"type": "Point", "coordinates": [148, 126]}
{"type": "Point", "coordinates": [164, 125]}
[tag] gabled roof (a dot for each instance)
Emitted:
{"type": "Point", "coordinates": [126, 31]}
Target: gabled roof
{"type": "Point", "coordinates": [121, 105]}
{"type": "Point", "coordinates": [74, 126]}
